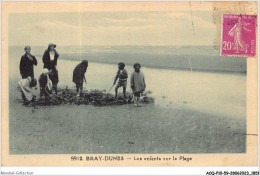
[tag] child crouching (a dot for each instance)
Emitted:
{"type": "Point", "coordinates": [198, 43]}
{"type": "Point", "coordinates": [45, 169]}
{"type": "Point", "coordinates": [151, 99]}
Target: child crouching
{"type": "Point", "coordinates": [25, 86]}
{"type": "Point", "coordinates": [45, 83]}
{"type": "Point", "coordinates": [137, 84]}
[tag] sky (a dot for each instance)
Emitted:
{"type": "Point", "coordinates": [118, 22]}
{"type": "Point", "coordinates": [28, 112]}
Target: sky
{"type": "Point", "coordinates": [166, 28]}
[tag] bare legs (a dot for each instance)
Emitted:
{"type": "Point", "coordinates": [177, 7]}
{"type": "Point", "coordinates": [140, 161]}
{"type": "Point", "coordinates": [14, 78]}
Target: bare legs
{"type": "Point", "coordinates": [79, 90]}
{"type": "Point", "coordinates": [137, 102]}
{"type": "Point", "coordinates": [116, 92]}
{"type": "Point", "coordinates": [137, 99]}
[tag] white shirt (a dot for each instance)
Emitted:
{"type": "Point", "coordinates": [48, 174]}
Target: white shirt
{"type": "Point", "coordinates": [24, 86]}
{"type": "Point", "coordinates": [52, 55]}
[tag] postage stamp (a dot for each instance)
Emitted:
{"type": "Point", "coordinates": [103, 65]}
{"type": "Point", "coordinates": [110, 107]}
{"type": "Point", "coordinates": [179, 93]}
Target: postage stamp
{"type": "Point", "coordinates": [238, 35]}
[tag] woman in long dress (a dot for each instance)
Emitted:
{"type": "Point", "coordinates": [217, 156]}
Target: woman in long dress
{"type": "Point", "coordinates": [50, 58]}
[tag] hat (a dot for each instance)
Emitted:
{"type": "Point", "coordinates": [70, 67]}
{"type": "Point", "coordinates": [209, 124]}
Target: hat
{"type": "Point", "coordinates": [45, 70]}
{"type": "Point", "coordinates": [27, 46]}
{"type": "Point", "coordinates": [121, 64]}
{"type": "Point", "coordinates": [137, 64]}
{"type": "Point", "coordinates": [51, 44]}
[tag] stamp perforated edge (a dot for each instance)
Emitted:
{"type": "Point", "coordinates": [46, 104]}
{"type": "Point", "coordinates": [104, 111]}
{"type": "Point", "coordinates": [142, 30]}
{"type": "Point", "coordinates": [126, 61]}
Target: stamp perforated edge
{"type": "Point", "coordinates": [221, 40]}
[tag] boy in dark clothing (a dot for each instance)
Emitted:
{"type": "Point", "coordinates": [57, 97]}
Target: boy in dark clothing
{"type": "Point", "coordinates": [26, 63]}
{"type": "Point", "coordinates": [79, 76]}
{"type": "Point", "coordinates": [122, 75]}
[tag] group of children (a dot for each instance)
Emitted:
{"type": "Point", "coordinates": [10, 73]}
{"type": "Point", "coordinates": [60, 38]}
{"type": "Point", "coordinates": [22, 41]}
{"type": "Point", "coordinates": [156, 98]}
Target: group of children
{"type": "Point", "coordinates": [48, 80]}
{"type": "Point", "coordinates": [137, 82]}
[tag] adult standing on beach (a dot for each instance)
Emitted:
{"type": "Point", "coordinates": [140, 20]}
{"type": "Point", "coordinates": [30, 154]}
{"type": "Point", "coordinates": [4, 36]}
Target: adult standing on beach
{"type": "Point", "coordinates": [49, 59]}
{"type": "Point", "coordinates": [26, 63]}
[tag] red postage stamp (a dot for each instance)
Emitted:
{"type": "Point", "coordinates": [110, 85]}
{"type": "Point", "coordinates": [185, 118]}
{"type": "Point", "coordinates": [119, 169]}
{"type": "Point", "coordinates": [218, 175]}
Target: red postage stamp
{"type": "Point", "coordinates": [238, 35]}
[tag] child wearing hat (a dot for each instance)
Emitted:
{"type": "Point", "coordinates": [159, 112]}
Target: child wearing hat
{"type": "Point", "coordinates": [137, 84]}
{"type": "Point", "coordinates": [122, 75]}
{"type": "Point", "coordinates": [79, 76]}
{"type": "Point", "coordinates": [25, 86]}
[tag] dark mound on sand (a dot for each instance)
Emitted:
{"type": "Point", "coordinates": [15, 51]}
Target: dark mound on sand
{"type": "Point", "coordinates": [93, 97]}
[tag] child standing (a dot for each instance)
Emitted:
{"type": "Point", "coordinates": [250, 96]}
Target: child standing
{"type": "Point", "coordinates": [137, 84]}
{"type": "Point", "coordinates": [79, 76]}
{"type": "Point", "coordinates": [25, 86]}
{"type": "Point", "coordinates": [122, 75]}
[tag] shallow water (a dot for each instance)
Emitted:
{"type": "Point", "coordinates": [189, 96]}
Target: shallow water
{"type": "Point", "coordinates": [215, 93]}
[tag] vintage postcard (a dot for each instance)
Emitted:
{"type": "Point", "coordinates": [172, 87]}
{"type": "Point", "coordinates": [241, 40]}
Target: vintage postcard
{"type": "Point", "coordinates": [129, 83]}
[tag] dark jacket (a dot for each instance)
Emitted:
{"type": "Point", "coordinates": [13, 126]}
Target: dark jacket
{"type": "Point", "coordinates": [79, 73]}
{"type": "Point", "coordinates": [26, 66]}
{"type": "Point", "coordinates": [47, 62]}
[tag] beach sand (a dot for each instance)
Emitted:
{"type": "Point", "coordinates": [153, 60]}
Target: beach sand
{"type": "Point", "coordinates": [194, 112]}
{"type": "Point", "coordinates": [72, 129]}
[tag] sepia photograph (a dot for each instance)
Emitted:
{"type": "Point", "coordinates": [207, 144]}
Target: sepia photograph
{"type": "Point", "coordinates": [166, 81]}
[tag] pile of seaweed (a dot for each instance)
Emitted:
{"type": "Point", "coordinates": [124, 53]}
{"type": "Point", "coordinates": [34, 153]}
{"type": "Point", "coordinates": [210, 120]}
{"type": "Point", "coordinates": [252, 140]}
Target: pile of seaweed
{"type": "Point", "coordinates": [92, 97]}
